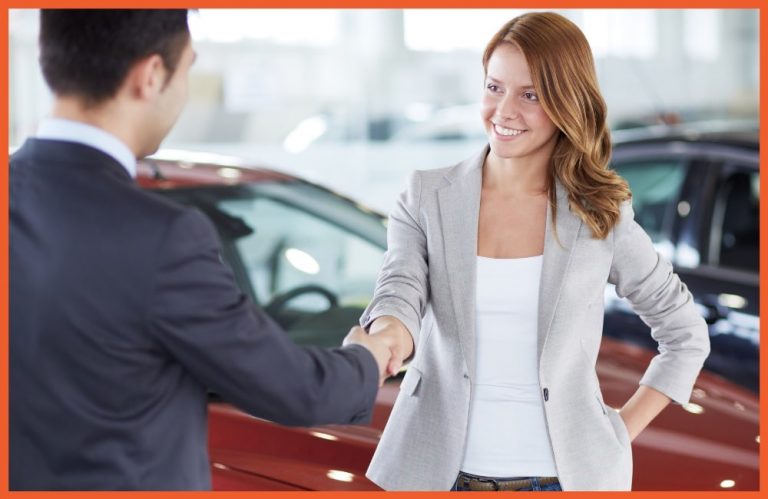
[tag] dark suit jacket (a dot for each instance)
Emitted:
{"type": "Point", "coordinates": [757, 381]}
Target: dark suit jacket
{"type": "Point", "coordinates": [122, 315]}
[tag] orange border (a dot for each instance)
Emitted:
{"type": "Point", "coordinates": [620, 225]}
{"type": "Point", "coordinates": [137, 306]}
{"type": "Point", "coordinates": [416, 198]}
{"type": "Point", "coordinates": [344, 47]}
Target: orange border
{"type": "Point", "coordinates": [391, 4]}
{"type": "Point", "coordinates": [752, 4]}
{"type": "Point", "coordinates": [763, 245]}
{"type": "Point", "coordinates": [4, 261]}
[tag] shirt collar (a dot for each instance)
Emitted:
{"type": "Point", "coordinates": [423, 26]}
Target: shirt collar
{"type": "Point", "coordinates": [76, 131]}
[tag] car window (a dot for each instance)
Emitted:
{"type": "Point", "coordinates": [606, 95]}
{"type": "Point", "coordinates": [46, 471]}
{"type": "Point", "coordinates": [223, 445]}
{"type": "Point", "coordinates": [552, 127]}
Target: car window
{"type": "Point", "coordinates": [734, 238]}
{"type": "Point", "coordinates": [312, 276]}
{"type": "Point", "coordinates": [655, 189]}
{"type": "Point", "coordinates": [291, 248]}
{"type": "Point", "coordinates": [305, 255]}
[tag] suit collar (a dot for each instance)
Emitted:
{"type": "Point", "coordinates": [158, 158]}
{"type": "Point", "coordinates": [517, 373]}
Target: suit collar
{"type": "Point", "coordinates": [459, 202]}
{"type": "Point", "coordinates": [45, 152]}
{"type": "Point", "coordinates": [469, 167]}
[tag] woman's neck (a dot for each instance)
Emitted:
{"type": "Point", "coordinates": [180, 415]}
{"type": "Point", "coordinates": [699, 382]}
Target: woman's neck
{"type": "Point", "coordinates": [515, 176]}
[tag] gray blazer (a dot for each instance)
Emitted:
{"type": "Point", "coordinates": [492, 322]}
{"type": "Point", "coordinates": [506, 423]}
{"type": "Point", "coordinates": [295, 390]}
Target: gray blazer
{"type": "Point", "coordinates": [428, 282]}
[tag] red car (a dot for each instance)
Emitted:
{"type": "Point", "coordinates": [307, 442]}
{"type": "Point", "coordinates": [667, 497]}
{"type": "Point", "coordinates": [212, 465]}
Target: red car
{"type": "Point", "coordinates": [310, 257]}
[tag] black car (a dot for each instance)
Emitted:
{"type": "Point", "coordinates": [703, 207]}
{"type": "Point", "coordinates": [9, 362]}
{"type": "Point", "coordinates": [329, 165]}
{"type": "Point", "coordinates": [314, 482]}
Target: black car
{"type": "Point", "coordinates": [696, 191]}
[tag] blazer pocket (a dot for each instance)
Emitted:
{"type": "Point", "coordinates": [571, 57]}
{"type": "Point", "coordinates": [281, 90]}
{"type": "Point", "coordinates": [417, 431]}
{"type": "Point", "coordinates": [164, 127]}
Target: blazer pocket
{"type": "Point", "coordinates": [411, 381]}
{"type": "Point", "coordinates": [600, 403]}
{"type": "Point", "coordinates": [620, 428]}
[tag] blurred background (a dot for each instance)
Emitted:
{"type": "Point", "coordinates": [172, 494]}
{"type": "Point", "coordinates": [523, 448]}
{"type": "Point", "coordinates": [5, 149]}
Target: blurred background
{"type": "Point", "coordinates": [354, 99]}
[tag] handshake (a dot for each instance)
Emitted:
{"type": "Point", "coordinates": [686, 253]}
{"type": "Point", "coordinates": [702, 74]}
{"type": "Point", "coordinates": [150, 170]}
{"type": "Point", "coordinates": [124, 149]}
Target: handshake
{"type": "Point", "coordinates": [388, 340]}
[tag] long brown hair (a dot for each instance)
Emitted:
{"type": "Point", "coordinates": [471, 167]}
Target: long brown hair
{"type": "Point", "coordinates": [563, 73]}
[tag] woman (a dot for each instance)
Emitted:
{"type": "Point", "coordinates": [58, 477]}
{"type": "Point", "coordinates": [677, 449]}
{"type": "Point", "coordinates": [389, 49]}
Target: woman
{"type": "Point", "coordinates": [493, 282]}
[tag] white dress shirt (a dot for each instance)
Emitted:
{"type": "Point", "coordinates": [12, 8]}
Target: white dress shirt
{"type": "Point", "coordinates": [76, 131]}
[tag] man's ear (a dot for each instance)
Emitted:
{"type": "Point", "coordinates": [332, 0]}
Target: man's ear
{"type": "Point", "coordinates": [146, 78]}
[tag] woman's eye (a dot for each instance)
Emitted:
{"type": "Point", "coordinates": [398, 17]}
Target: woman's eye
{"type": "Point", "coordinates": [492, 87]}
{"type": "Point", "coordinates": [531, 96]}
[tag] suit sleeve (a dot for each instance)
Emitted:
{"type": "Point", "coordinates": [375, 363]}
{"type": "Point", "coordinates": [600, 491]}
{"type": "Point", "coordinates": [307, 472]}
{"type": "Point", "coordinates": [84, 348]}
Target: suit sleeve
{"type": "Point", "coordinates": [232, 347]}
{"type": "Point", "coordinates": [402, 286]}
{"type": "Point", "coordinates": [664, 303]}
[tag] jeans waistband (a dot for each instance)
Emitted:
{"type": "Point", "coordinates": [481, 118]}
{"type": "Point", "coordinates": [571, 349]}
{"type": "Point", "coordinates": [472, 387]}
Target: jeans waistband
{"type": "Point", "coordinates": [476, 482]}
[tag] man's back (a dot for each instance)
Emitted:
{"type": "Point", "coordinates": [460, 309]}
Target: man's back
{"type": "Point", "coordinates": [122, 315]}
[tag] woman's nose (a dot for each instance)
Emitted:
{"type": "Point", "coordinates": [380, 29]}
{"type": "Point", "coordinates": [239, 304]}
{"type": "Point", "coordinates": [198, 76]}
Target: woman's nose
{"type": "Point", "coordinates": [507, 108]}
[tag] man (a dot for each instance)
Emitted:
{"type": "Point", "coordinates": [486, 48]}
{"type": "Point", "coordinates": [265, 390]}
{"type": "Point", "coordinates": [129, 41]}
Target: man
{"type": "Point", "coordinates": [122, 314]}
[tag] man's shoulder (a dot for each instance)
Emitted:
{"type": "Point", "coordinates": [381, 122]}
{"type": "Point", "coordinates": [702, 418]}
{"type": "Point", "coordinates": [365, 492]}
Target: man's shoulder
{"type": "Point", "coordinates": [89, 181]}
{"type": "Point", "coordinates": [38, 151]}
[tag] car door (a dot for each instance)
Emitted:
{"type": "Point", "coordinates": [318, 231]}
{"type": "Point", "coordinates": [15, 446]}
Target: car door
{"type": "Point", "coordinates": [699, 203]}
{"type": "Point", "coordinates": [308, 257]}
{"type": "Point", "coordinates": [725, 282]}
{"type": "Point", "coordinates": [658, 179]}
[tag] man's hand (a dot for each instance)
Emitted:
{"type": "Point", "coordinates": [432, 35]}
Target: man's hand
{"type": "Point", "coordinates": [376, 345]}
{"type": "Point", "coordinates": [396, 336]}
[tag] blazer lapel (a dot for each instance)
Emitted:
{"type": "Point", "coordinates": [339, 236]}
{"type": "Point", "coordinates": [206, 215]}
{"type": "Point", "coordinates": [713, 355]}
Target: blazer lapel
{"type": "Point", "coordinates": [459, 203]}
{"type": "Point", "coordinates": [555, 261]}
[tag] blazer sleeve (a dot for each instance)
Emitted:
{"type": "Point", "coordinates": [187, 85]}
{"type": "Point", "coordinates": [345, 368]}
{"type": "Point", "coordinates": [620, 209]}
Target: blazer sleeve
{"type": "Point", "coordinates": [402, 286]}
{"type": "Point", "coordinates": [664, 303]}
{"type": "Point", "coordinates": [204, 321]}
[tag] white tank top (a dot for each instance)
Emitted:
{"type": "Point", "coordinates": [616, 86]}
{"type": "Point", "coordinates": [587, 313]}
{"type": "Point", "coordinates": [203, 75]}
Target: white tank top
{"type": "Point", "coordinates": [507, 434]}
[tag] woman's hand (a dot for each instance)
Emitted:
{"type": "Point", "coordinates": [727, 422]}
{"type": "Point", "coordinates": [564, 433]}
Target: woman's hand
{"type": "Point", "coordinates": [377, 346]}
{"type": "Point", "coordinates": [397, 337]}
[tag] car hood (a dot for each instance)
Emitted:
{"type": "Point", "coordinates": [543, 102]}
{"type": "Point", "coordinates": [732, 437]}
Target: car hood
{"type": "Point", "coordinates": [715, 435]}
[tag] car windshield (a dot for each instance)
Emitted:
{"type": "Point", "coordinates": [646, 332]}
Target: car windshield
{"type": "Point", "coordinates": [307, 256]}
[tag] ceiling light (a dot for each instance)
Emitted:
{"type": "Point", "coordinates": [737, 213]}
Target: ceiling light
{"type": "Point", "coordinates": [341, 476]}
{"type": "Point", "coordinates": [693, 408]}
{"type": "Point", "coordinates": [302, 261]}
{"type": "Point", "coordinates": [731, 301]}
{"type": "Point", "coordinates": [229, 173]}
{"type": "Point", "coordinates": [324, 436]}
{"type": "Point", "coordinates": [305, 133]}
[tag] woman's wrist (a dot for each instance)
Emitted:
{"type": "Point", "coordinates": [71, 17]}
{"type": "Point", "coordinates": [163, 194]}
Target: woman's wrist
{"type": "Point", "coordinates": [644, 405]}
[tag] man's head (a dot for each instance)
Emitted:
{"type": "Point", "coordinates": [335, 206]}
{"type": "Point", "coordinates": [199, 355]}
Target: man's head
{"type": "Point", "coordinates": [88, 53]}
{"type": "Point", "coordinates": [126, 66]}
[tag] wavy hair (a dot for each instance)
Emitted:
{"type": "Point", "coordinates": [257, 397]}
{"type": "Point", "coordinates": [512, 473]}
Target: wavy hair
{"type": "Point", "coordinates": [563, 73]}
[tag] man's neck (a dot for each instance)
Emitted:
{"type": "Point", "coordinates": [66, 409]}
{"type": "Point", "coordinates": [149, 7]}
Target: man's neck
{"type": "Point", "coordinates": [104, 116]}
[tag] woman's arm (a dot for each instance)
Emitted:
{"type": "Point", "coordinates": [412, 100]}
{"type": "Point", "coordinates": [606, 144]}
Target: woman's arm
{"type": "Point", "coordinates": [402, 288]}
{"type": "Point", "coordinates": [642, 408]}
{"type": "Point", "coordinates": [664, 303]}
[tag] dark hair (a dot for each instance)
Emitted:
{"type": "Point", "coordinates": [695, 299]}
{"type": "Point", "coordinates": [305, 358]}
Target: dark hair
{"type": "Point", "coordinates": [88, 53]}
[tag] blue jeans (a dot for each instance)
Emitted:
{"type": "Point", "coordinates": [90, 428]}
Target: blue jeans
{"type": "Point", "coordinates": [535, 486]}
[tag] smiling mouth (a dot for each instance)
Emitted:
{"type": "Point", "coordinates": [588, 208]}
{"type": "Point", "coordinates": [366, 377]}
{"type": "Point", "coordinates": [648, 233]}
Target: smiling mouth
{"type": "Point", "coordinates": [507, 132]}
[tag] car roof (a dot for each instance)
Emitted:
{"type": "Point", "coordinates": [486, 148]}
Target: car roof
{"type": "Point", "coordinates": [740, 133]}
{"type": "Point", "coordinates": [177, 169]}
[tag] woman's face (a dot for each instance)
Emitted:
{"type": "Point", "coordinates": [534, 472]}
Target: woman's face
{"type": "Point", "coordinates": [512, 114]}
